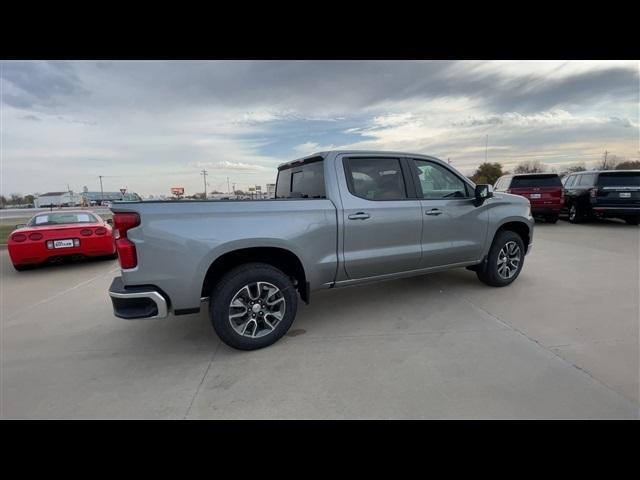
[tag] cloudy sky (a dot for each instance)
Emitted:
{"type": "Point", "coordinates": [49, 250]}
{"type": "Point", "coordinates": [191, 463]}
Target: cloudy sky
{"type": "Point", "coordinates": [150, 125]}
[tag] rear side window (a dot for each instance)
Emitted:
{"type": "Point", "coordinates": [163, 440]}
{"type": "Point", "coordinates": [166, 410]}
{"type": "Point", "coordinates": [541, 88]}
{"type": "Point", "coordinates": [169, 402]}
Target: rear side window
{"type": "Point", "coordinates": [586, 180]}
{"type": "Point", "coordinates": [619, 179]}
{"type": "Point", "coordinates": [570, 181]}
{"type": "Point", "coordinates": [301, 181]}
{"type": "Point", "coordinates": [536, 181]}
{"type": "Point", "coordinates": [376, 178]}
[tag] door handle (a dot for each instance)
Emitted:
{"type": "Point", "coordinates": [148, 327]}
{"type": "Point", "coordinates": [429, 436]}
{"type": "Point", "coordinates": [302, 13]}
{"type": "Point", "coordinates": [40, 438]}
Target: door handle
{"type": "Point", "coordinates": [433, 211]}
{"type": "Point", "coordinates": [359, 216]}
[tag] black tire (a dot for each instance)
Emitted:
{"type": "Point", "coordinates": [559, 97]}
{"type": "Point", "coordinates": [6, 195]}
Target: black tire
{"type": "Point", "coordinates": [488, 273]}
{"type": "Point", "coordinates": [551, 218]}
{"type": "Point", "coordinates": [576, 213]}
{"type": "Point", "coordinates": [632, 220]}
{"type": "Point", "coordinates": [231, 284]}
{"type": "Point", "coordinates": [22, 268]}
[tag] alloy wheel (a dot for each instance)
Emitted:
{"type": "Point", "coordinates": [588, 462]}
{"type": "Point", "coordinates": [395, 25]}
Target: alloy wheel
{"type": "Point", "coordinates": [509, 260]}
{"type": "Point", "coordinates": [256, 309]}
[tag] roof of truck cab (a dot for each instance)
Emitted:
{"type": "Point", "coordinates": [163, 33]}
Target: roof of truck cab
{"type": "Point", "coordinates": [325, 153]}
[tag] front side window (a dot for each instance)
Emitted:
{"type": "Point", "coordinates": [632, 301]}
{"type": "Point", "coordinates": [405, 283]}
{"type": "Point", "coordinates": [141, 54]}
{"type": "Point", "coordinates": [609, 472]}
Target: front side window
{"type": "Point", "coordinates": [376, 178]}
{"type": "Point", "coordinates": [437, 181]}
{"type": "Point", "coordinates": [301, 181]}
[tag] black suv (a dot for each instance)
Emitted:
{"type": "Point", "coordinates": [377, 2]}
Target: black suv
{"type": "Point", "coordinates": [610, 193]}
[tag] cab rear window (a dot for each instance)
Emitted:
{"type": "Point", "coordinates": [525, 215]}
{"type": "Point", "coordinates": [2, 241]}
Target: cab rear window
{"type": "Point", "coordinates": [536, 181]}
{"type": "Point", "coordinates": [305, 180]}
{"type": "Point", "coordinates": [619, 179]}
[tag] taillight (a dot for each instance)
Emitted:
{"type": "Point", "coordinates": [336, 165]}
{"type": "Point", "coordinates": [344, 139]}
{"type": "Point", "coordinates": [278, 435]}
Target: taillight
{"type": "Point", "coordinates": [85, 232]}
{"type": "Point", "coordinates": [101, 231]}
{"type": "Point", "coordinates": [35, 236]}
{"type": "Point", "coordinates": [122, 222]}
{"type": "Point", "coordinates": [19, 237]}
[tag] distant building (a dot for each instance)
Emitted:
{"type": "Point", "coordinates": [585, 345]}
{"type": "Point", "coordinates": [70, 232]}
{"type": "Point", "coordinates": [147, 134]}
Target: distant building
{"type": "Point", "coordinates": [94, 198]}
{"type": "Point", "coordinates": [271, 190]}
{"type": "Point", "coordinates": [58, 199]}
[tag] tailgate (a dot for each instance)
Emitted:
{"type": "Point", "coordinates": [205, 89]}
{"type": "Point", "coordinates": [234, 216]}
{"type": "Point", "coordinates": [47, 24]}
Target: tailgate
{"type": "Point", "coordinates": [618, 189]}
{"type": "Point", "coordinates": [540, 195]}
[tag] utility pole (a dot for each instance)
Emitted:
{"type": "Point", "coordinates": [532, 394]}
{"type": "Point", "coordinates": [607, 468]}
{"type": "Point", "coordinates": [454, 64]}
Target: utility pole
{"type": "Point", "coordinates": [228, 190]}
{"type": "Point", "coordinates": [101, 190]}
{"type": "Point", "coordinates": [486, 148]}
{"type": "Point", "coordinates": [604, 164]}
{"type": "Point", "coordinates": [204, 176]}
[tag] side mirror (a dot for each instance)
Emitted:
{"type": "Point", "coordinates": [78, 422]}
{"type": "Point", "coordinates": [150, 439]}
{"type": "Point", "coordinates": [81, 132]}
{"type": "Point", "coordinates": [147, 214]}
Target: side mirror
{"type": "Point", "coordinates": [110, 221]}
{"type": "Point", "coordinates": [21, 225]}
{"type": "Point", "coordinates": [483, 192]}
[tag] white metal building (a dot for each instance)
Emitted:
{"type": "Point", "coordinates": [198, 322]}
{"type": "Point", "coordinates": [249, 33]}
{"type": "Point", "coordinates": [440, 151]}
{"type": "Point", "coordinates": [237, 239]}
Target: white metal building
{"type": "Point", "coordinates": [58, 199]}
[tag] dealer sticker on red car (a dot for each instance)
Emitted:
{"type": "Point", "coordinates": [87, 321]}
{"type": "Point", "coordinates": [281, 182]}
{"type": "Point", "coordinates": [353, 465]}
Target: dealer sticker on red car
{"type": "Point", "coordinates": [63, 243]}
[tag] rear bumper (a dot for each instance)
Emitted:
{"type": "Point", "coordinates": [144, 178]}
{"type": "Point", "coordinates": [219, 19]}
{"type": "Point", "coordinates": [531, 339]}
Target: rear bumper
{"type": "Point", "coordinates": [31, 253]}
{"type": "Point", "coordinates": [135, 302]}
{"type": "Point", "coordinates": [546, 209]}
{"type": "Point", "coordinates": [615, 211]}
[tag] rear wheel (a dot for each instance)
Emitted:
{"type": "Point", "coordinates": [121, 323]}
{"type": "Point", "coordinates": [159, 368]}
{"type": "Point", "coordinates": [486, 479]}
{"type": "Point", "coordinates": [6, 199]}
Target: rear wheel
{"type": "Point", "coordinates": [253, 306]}
{"type": "Point", "coordinates": [22, 268]}
{"type": "Point", "coordinates": [505, 260]}
{"type": "Point", "coordinates": [576, 214]}
{"type": "Point", "coordinates": [632, 220]}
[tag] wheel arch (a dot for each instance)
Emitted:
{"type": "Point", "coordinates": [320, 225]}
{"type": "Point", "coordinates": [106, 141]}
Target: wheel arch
{"type": "Point", "coordinates": [517, 226]}
{"type": "Point", "coordinates": [281, 258]}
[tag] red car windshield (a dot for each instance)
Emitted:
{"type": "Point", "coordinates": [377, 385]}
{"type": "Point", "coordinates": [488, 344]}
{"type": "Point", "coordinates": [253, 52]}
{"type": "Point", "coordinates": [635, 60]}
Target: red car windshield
{"type": "Point", "coordinates": [61, 219]}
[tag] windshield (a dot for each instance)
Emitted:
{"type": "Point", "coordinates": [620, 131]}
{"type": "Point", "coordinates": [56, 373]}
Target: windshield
{"type": "Point", "coordinates": [619, 179]}
{"type": "Point", "coordinates": [61, 219]}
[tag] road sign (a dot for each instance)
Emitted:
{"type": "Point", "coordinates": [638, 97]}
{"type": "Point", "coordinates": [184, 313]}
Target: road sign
{"type": "Point", "coordinates": [251, 189]}
{"type": "Point", "coordinates": [258, 187]}
{"type": "Point", "coordinates": [177, 190]}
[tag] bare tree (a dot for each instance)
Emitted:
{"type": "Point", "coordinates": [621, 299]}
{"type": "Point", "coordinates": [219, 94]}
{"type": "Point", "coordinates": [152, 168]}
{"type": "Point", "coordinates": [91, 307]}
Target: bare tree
{"type": "Point", "coordinates": [530, 166]}
{"type": "Point", "coordinates": [608, 162]}
{"type": "Point", "coordinates": [577, 167]}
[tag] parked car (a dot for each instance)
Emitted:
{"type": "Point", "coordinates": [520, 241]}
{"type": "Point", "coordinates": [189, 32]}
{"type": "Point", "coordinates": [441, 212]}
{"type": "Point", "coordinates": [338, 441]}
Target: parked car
{"type": "Point", "coordinates": [339, 218]}
{"type": "Point", "coordinates": [544, 191]}
{"type": "Point", "coordinates": [603, 194]}
{"type": "Point", "coordinates": [53, 236]}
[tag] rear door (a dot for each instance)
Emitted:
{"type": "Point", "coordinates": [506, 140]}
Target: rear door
{"type": "Point", "coordinates": [382, 219]}
{"type": "Point", "coordinates": [618, 189]}
{"type": "Point", "coordinates": [454, 228]}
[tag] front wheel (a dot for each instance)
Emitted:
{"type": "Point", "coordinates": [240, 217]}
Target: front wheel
{"type": "Point", "coordinates": [253, 306]}
{"type": "Point", "coordinates": [505, 260]}
{"type": "Point", "coordinates": [632, 220]}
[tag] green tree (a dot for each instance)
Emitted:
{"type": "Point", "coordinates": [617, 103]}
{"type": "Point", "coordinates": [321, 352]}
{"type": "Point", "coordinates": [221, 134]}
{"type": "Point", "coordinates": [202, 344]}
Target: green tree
{"type": "Point", "coordinates": [3, 201]}
{"type": "Point", "coordinates": [628, 165]}
{"type": "Point", "coordinates": [487, 173]}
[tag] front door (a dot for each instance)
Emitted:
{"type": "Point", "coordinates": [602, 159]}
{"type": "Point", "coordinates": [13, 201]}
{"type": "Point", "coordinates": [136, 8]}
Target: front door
{"type": "Point", "coordinates": [454, 228]}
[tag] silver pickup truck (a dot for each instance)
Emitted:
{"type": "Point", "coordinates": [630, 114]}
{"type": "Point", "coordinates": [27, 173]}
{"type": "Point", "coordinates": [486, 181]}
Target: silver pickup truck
{"type": "Point", "coordinates": [338, 218]}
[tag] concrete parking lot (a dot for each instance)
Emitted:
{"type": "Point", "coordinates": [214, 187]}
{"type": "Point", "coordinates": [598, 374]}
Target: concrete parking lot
{"type": "Point", "coordinates": [561, 342]}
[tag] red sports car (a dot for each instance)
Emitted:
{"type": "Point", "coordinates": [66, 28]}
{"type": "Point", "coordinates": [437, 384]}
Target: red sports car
{"type": "Point", "coordinates": [53, 236]}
